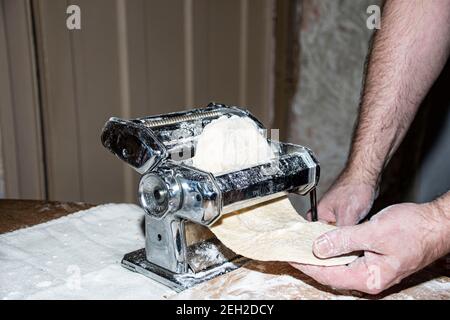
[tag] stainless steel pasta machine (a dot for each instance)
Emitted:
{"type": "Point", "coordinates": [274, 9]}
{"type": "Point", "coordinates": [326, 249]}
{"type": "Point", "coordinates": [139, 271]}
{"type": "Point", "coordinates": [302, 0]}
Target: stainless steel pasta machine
{"type": "Point", "coordinates": [180, 200]}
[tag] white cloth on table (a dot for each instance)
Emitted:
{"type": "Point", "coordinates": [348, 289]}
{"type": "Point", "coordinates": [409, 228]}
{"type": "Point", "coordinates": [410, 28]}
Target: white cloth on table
{"type": "Point", "coordinates": [77, 257]}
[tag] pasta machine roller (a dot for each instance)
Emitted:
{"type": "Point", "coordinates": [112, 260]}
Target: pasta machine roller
{"type": "Point", "coordinates": [177, 198]}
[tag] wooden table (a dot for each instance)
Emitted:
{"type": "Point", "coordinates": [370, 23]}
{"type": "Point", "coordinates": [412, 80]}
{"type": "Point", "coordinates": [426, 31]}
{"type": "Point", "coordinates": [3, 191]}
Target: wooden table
{"type": "Point", "coordinates": [256, 279]}
{"type": "Point", "coordinates": [17, 214]}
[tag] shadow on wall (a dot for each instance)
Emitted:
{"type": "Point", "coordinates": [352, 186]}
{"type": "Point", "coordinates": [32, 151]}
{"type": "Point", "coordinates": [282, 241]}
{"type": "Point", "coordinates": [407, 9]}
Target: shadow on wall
{"type": "Point", "coordinates": [420, 171]}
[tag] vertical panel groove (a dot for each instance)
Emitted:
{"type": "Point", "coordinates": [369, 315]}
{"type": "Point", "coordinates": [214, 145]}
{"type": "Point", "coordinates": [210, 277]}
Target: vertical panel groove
{"type": "Point", "coordinates": [124, 79]}
{"type": "Point", "coordinates": [270, 62]}
{"type": "Point", "coordinates": [123, 58]}
{"type": "Point", "coordinates": [77, 113]}
{"type": "Point", "coordinates": [243, 51]}
{"type": "Point", "coordinates": [40, 111]}
{"type": "Point", "coordinates": [288, 16]}
{"type": "Point", "coordinates": [189, 52]}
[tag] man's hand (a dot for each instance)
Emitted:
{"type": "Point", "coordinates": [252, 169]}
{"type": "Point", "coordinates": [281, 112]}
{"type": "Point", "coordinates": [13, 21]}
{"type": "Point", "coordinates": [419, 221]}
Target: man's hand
{"type": "Point", "coordinates": [347, 202]}
{"type": "Point", "coordinates": [396, 242]}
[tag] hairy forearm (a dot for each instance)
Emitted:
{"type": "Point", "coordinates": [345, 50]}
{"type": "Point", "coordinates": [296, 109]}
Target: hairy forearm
{"type": "Point", "coordinates": [408, 54]}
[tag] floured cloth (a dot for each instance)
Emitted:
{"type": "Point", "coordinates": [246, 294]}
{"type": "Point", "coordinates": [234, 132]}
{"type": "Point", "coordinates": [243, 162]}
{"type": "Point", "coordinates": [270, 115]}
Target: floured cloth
{"type": "Point", "coordinates": [274, 231]}
{"type": "Point", "coordinates": [77, 257]}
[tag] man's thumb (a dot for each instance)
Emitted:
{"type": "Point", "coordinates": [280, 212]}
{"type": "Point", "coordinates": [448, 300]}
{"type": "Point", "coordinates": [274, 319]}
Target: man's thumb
{"type": "Point", "coordinates": [341, 241]}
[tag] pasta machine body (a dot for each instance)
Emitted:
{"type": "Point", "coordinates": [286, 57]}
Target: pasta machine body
{"type": "Point", "coordinates": [176, 196]}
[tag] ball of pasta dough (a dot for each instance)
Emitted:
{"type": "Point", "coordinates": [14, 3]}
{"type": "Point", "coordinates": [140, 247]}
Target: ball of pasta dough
{"type": "Point", "coordinates": [229, 144]}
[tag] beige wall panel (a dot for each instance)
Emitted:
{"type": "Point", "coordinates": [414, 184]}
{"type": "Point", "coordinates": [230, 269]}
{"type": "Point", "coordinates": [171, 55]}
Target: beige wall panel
{"type": "Point", "coordinates": [132, 59]}
{"type": "Point", "coordinates": [201, 31]}
{"type": "Point", "coordinates": [20, 106]}
{"type": "Point", "coordinates": [136, 49]}
{"type": "Point", "coordinates": [259, 64]}
{"type": "Point", "coordinates": [81, 90]}
{"type": "Point", "coordinates": [96, 70]}
{"type": "Point", "coordinates": [232, 61]}
{"type": "Point", "coordinates": [223, 50]}
{"type": "Point", "coordinates": [61, 123]}
{"type": "Point", "coordinates": [165, 55]}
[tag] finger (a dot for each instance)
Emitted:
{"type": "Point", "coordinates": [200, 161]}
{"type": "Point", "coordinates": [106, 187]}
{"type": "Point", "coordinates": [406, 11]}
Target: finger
{"type": "Point", "coordinates": [344, 240]}
{"type": "Point", "coordinates": [324, 214]}
{"type": "Point", "coordinates": [346, 219]}
{"type": "Point", "coordinates": [324, 217]}
{"type": "Point", "coordinates": [352, 277]}
{"type": "Point", "coordinates": [351, 214]}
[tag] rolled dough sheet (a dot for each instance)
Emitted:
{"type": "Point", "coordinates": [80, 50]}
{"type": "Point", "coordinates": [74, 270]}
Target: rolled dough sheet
{"type": "Point", "coordinates": [274, 231]}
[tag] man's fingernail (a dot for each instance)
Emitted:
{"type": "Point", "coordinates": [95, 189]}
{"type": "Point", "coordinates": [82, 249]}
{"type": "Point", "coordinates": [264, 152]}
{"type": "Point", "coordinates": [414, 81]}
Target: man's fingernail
{"type": "Point", "coordinates": [323, 247]}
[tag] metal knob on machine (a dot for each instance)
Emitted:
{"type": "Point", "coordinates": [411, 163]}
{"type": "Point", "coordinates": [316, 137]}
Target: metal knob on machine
{"type": "Point", "coordinates": [159, 195]}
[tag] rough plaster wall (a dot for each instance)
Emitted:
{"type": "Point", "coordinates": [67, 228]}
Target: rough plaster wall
{"type": "Point", "coordinates": [333, 46]}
